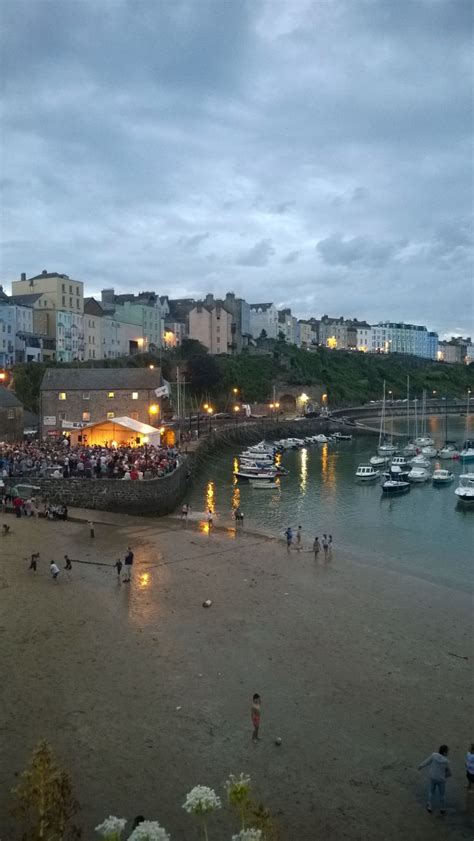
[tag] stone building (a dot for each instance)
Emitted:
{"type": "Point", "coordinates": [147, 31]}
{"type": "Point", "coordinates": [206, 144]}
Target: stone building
{"type": "Point", "coordinates": [71, 397]}
{"type": "Point", "coordinates": [11, 416]}
{"type": "Point", "coordinates": [211, 324]}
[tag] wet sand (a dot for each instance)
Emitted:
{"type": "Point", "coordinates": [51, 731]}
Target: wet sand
{"type": "Point", "coordinates": [143, 693]}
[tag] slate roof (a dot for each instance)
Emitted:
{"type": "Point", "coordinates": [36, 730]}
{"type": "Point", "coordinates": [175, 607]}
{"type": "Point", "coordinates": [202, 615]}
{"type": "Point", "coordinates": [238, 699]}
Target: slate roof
{"type": "Point", "coordinates": [25, 300]}
{"type": "Point", "coordinates": [50, 274]}
{"type": "Point", "coordinates": [100, 379]}
{"type": "Point", "coordinates": [8, 399]}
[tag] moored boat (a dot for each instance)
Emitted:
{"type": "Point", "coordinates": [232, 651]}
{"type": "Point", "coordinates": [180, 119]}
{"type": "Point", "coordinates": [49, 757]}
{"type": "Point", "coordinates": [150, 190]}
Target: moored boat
{"type": "Point", "coordinates": [379, 461]}
{"type": "Point", "coordinates": [465, 490]}
{"type": "Point", "coordinates": [429, 451]}
{"type": "Point", "coordinates": [340, 436]}
{"type": "Point", "coordinates": [418, 475]}
{"type": "Point", "coordinates": [367, 473]}
{"type": "Point", "coordinates": [467, 452]}
{"type": "Point", "coordinates": [420, 461]}
{"type": "Point", "coordinates": [265, 485]}
{"type": "Point", "coordinates": [395, 486]}
{"type": "Point", "coordinates": [442, 476]}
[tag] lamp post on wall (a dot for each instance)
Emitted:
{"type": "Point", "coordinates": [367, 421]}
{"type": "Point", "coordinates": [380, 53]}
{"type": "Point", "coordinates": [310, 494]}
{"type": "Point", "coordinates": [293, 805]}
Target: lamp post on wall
{"type": "Point", "coordinates": [210, 411]}
{"type": "Point", "coordinates": [236, 412]}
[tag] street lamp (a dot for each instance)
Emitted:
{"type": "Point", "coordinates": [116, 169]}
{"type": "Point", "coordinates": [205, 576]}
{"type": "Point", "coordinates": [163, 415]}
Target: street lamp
{"type": "Point", "coordinates": [277, 407]}
{"type": "Point", "coordinates": [236, 410]}
{"type": "Point", "coordinates": [210, 412]}
{"type": "Point", "coordinates": [235, 390]}
{"type": "Point", "coordinates": [153, 409]}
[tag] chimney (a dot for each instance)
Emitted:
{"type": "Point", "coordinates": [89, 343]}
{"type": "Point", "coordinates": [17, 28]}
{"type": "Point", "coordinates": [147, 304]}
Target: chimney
{"type": "Point", "coordinates": [44, 272]}
{"type": "Point", "coordinates": [23, 276]}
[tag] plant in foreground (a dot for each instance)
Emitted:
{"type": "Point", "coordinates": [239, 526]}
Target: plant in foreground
{"type": "Point", "coordinates": [45, 801]}
{"type": "Point", "coordinates": [238, 794]}
{"type": "Point", "coordinates": [248, 835]}
{"type": "Point", "coordinates": [111, 829]}
{"type": "Point", "coordinates": [149, 831]}
{"type": "Point", "coordinates": [201, 801]}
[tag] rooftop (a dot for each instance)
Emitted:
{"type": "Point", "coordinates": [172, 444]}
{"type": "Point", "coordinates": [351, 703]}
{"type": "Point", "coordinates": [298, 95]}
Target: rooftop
{"type": "Point", "coordinates": [100, 379]}
{"type": "Point", "coordinates": [8, 399]}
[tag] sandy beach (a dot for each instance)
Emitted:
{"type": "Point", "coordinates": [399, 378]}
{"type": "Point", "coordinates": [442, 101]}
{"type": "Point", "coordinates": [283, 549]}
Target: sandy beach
{"type": "Point", "coordinates": [143, 693]}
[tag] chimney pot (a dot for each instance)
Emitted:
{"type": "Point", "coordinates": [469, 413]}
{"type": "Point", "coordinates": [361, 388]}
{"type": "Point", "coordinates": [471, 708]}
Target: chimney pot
{"type": "Point", "coordinates": [23, 276]}
{"type": "Point", "coordinates": [45, 271]}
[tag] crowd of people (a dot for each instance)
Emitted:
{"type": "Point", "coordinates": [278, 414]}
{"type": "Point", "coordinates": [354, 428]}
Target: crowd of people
{"type": "Point", "coordinates": [61, 460]}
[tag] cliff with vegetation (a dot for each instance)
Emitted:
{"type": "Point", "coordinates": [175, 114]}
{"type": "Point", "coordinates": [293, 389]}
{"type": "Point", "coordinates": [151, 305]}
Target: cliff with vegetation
{"type": "Point", "coordinates": [349, 378]}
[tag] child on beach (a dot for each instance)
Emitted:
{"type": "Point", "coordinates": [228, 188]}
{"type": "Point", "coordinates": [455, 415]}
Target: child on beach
{"type": "Point", "coordinates": [316, 548]}
{"type": "Point", "coordinates": [54, 570]}
{"type": "Point", "coordinates": [289, 537]}
{"type": "Point", "coordinates": [256, 713]}
{"type": "Point", "coordinates": [325, 545]}
{"type": "Point", "coordinates": [470, 766]}
{"type": "Point", "coordinates": [34, 561]}
{"type": "Point", "coordinates": [118, 566]}
{"type": "Point", "coordinates": [440, 770]}
{"type": "Point", "coordinates": [298, 537]}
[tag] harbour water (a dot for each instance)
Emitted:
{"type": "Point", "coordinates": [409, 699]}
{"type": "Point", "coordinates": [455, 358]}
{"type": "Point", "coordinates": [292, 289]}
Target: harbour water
{"type": "Point", "coordinates": [422, 533]}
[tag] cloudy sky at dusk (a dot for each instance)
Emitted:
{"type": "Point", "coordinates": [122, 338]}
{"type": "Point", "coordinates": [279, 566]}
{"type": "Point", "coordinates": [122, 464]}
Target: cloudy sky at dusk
{"type": "Point", "coordinates": [312, 153]}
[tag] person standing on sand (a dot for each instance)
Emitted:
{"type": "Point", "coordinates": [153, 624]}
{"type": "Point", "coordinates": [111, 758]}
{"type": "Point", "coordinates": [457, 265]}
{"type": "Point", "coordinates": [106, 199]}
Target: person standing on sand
{"type": "Point", "coordinates": [209, 519]}
{"type": "Point", "coordinates": [91, 528]}
{"type": "Point", "coordinates": [330, 546]}
{"type": "Point", "coordinates": [325, 545]}
{"type": "Point", "coordinates": [256, 715]}
{"type": "Point", "coordinates": [289, 538]}
{"type": "Point", "coordinates": [68, 562]}
{"type": "Point", "coordinates": [54, 570]}
{"type": "Point", "coordinates": [470, 767]}
{"type": "Point", "coordinates": [118, 566]}
{"type": "Point", "coordinates": [184, 511]}
{"type": "Point", "coordinates": [440, 770]}
{"type": "Point", "coordinates": [34, 560]}
{"type": "Point", "coordinates": [316, 548]}
{"type": "Point", "coordinates": [298, 538]}
{"type": "Point", "coordinates": [128, 565]}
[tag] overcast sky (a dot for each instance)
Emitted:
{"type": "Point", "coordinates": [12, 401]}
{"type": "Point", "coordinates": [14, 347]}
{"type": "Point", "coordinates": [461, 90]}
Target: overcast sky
{"type": "Point", "coordinates": [316, 154]}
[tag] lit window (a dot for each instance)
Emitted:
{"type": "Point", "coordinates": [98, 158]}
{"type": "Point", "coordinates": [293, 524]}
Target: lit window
{"type": "Point", "coordinates": [86, 395]}
{"type": "Point", "coordinates": [110, 415]}
{"type": "Point", "coordinates": [134, 395]}
{"type": "Point", "coordinates": [111, 395]}
{"type": "Point", "coordinates": [86, 416]}
{"type": "Point", "coordinates": [62, 395]}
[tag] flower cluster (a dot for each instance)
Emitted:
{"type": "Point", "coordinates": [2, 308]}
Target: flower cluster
{"type": "Point", "coordinates": [238, 788]}
{"type": "Point", "coordinates": [149, 831]}
{"type": "Point", "coordinates": [248, 835]}
{"type": "Point", "coordinates": [111, 829]}
{"type": "Point", "coordinates": [201, 800]}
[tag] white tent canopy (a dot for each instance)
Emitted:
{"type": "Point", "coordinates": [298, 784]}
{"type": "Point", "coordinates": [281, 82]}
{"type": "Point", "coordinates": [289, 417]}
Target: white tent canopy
{"type": "Point", "coordinates": [148, 434]}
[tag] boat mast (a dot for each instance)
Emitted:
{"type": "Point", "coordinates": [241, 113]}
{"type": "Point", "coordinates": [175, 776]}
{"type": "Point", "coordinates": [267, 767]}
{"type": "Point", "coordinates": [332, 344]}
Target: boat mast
{"type": "Point", "coordinates": [445, 421]}
{"type": "Point", "coordinates": [382, 415]}
{"type": "Point", "coordinates": [408, 406]}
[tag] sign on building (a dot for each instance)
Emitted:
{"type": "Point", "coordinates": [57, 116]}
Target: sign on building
{"type": "Point", "coordinates": [49, 420]}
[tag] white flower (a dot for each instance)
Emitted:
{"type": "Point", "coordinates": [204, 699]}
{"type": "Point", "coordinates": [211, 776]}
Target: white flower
{"type": "Point", "coordinates": [241, 782]}
{"type": "Point", "coordinates": [200, 800]}
{"type": "Point", "coordinates": [149, 831]}
{"type": "Point", "coordinates": [111, 828]}
{"type": "Point", "coordinates": [248, 835]}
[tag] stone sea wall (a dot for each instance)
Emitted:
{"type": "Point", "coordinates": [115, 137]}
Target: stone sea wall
{"type": "Point", "coordinates": [151, 496]}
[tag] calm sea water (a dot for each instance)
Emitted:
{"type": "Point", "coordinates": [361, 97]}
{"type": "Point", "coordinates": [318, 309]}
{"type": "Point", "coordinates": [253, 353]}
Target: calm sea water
{"type": "Point", "coordinates": [423, 532]}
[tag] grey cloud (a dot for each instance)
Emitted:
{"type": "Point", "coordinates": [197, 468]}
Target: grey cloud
{"type": "Point", "coordinates": [132, 130]}
{"type": "Point", "coordinates": [258, 255]}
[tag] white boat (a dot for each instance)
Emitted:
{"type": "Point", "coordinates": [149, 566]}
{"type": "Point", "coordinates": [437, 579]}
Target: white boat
{"type": "Point", "coordinates": [467, 452]}
{"type": "Point", "coordinates": [296, 443]}
{"type": "Point", "coordinates": [418, 474]}
{"type": "Point", "coordinates": [423, 440]}
{"type": "Point", "coordinates": [379, 461]}
{"type": "Point", "coordinates": [429, 452]}
{"type": "Point", "coordinates": [254, 456]}
{"type": "Point", "coordinates": [465, 490]}
{"type": "Point", "coordinates": [386, 449]}
{"type": "Point", "coordinates": [410, 450]}
{"type": "Point", "coordinates": [255, 474]}
{"type": "Point", "coordinates": [399, 461]}
{"type": "Point", "coordinates": [449, 451]}
{"type": "Point", "coordinates": [321, 439]}
{"type": "Point", "coordinates": [264, 485]}
{"type": "Point", "coordinates": [340, 436]}
{"type": "Point", "coordinates": [367, 473]}
{"type": "Point", "coordinates": [420, 461]}
{"type": "Point", "coordinates": [442, 476]}
{"type": "Point", "coordinates": [395, 486]}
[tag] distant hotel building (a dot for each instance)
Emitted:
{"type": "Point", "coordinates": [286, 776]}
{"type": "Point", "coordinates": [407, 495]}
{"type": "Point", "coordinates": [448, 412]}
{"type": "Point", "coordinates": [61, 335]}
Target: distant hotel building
{"type": "Point", "coordinates": [410, 339]}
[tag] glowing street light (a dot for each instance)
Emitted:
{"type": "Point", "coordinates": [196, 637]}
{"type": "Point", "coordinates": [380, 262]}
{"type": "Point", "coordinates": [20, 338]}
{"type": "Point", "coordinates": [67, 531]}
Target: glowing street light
{"type": "Point", "coordinates": [235, 390]}
{"type": "Point", "coordinates": [153, 409]}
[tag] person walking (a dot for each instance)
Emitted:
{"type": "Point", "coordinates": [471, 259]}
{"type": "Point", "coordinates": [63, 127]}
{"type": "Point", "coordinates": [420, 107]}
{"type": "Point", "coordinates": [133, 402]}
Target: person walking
{"type": "Point", "coordinates": [440, 770]}
{"type": "Point", "coordinates": [256, 715]}
{"type": "Point", "coordinates": [68, 562]}
{"type": "Point", "coordinates": [325, 545]}
{"type": "Point", "coordinates": [330, 546]}
{"type": "Point", "coordinates": [34, 561]}
{"type": "Point", "coordinates": [316, 548]}
{"type": "Point", "coordinates": [298, 538]}
{"type": "Point", "coordinates": [184, 511]}
{"type": "Point", "coordinates": [289, 538]}
{"type": "Point", "coordinates": [54, 570]}
{"type": "Point", "coordinates": [128, 565]}
{"type": "Point", "coordinates": [470, 767]}
{"type": "Point", "coordinates": [91, 529]}
{"type": "Point", "coordinates": [118, 566]}
{"type": "Point", "coordinates": [210, 519]}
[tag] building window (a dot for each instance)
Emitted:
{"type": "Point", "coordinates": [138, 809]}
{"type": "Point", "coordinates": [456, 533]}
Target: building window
{"type": "Point", "coordinates": [77, 304]}
{"type": "Point", "coordinates": [64, 287]}
{"type": "Point", "coordinates": [134, 415]}
{"type": "Point", "coordinates": [110, 415]}
{"type": "Point", "coordinates": [62, 415]}
{"type": "Point", "coordinates": [86, 416]}
{"type": "Point", "coordinates": [62, 395]}
{"type": "Point", "coordinates": [86, 395]}
{"type": "Point", "coordinates": [11, 414]}
{"type": "Point", "coordinates": [111, 395]}
{"type": "Point", "coordinates": [64, 300]}
{"type": "Point", "coordinates": [134, 395]}
{"type": "Point", "coordinates": [70, 302]}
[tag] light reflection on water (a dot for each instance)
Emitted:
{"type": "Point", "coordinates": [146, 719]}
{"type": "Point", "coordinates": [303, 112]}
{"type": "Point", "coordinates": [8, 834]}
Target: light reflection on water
{"type": "Point", "coordinates": [422, 532]}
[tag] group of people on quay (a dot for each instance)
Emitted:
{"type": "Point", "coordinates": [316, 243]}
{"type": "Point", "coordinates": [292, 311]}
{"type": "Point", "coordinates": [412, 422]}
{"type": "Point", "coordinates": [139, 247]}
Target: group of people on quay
{"type": "Point", "coordinates": [61, 460]}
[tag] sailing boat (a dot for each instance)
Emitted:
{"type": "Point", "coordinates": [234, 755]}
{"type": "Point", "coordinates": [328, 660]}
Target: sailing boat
{"type": "Point", "coordinates": [424, 440]}
{"type": "Point", "coordinates": [385, 447]}
{"type": "Point", "coordinates": [449, 450]}
{"type": "Point", "coordinates": [467, 452]}
{"type": "Point", "coordinates": [410, 449]}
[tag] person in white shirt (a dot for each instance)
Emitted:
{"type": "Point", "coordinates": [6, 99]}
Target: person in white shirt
{"type": "Point", "coordinates": [54, 570]}
{"type": "Point", "coordinates": [440, 770]}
